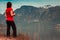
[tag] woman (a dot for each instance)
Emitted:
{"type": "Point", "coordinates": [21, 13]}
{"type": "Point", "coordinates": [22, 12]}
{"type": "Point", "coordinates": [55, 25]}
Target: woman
{"type": "Point", "coordinates": [10, 20]}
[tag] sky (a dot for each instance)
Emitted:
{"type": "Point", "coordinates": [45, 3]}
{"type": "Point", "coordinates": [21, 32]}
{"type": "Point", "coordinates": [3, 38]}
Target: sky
{"type": "Point", "coordinates": [18, 3]}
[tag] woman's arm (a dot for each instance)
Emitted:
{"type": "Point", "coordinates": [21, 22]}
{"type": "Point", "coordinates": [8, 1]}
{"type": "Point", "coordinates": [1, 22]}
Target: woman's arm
{"type": "Point", "coordinates": [12, 14]}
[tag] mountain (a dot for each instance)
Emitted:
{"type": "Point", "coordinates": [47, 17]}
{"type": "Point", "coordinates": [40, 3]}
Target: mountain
{"type": "Point", "coordinates": [50, 18]}
{"type": "Point", "coordinates": [27, 11]}
{"type": "Point", "coordinates": [52, 14]}
{"type": "Point", "coordinates": [29, 16]}
{"type": "Point", "coordinates": [30, 19]}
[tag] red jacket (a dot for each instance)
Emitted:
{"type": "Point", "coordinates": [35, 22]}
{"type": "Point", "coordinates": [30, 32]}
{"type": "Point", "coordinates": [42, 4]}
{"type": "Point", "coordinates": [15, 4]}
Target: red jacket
{"type": "Point", "coordinates": [8, 14]}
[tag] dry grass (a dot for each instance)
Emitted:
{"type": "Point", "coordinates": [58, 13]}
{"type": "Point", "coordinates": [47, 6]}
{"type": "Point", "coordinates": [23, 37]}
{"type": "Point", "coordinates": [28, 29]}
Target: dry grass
{"type": "Point", "coordinates": [19, 37]}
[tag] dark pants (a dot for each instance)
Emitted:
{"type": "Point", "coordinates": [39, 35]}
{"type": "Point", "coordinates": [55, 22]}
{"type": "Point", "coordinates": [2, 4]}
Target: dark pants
{"type": "Point", "coordinates": [11, 24]}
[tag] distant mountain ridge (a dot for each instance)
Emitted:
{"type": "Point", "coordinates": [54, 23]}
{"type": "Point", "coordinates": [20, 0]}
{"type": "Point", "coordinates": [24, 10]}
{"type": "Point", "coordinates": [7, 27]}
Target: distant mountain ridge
{"type": "Point", "coordinates": [48, 18]}
{"type": "Point", "coordinates": [29, 12]}
{"type": "Point", "coordinates": [39, 13]}
{"type": "Point", "coordinates": [28, 16]}
{"type": "Point", "coordinates": [51, 14]}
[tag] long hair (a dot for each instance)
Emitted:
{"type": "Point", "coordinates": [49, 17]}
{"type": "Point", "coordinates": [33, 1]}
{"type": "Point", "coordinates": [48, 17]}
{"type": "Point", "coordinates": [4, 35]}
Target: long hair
{"type": "Point", "coordinates": [9, 4]}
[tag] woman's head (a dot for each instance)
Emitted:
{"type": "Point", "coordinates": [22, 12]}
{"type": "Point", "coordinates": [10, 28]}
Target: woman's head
{"type": "Point", "coordinates": [9, 4]}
